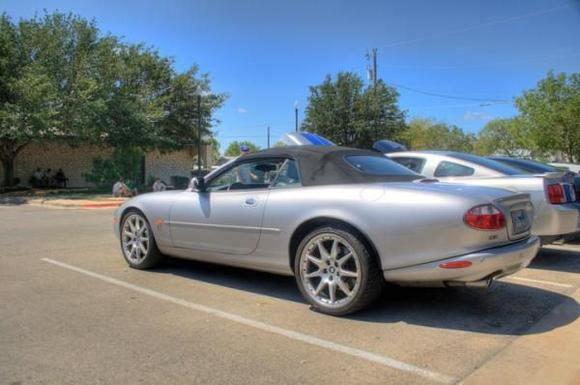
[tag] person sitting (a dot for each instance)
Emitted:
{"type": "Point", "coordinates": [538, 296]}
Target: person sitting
{"type": "Point", "coordinates": [47, 178]}
{"type": "Point", "coordinates": [132, 187]}
{"type": "Point", "coordinates": [60, 179]}
{"type": "Point", "coordinates": [159, 185]}
{"type": "Point", "coordinates": [120, 189]}
{"type": "Point", "coordinates": [36, 179]}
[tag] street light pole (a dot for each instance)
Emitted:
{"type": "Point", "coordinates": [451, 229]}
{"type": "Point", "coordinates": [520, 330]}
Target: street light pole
{"type": "Point", "coordinates": [199, 135]}
{"type": "Point", "coordinates": [296, 115]}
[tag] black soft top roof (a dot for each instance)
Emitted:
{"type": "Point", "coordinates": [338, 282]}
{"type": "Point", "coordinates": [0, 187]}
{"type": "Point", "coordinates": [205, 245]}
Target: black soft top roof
{"type": "Point", "coordinates": [326, 165]}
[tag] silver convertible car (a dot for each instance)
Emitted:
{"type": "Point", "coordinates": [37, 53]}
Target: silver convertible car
{"type": "Point", "coordinates": [342, 221]}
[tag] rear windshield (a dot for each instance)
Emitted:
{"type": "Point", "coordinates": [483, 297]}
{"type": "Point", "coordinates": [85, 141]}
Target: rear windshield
{"type": "Point", "coordinates": [377, 165]}
{"type": "Point", "coordinates": [491, 164]}
{"type": "Point", "coordinates": [527, 166]}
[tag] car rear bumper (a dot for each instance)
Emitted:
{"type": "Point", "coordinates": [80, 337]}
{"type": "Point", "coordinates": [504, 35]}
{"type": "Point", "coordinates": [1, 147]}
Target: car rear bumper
{"type": "Point", "coordinates": [485, 265]}
{"type": "Point", "coordinates": [557, 220]}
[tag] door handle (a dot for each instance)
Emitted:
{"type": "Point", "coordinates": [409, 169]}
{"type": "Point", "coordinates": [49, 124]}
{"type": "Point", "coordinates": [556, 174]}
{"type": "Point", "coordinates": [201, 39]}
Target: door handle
{"type": "Point", "coordinates": [250, 202]}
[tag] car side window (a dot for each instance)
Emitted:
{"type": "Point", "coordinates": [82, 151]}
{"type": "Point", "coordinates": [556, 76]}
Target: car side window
{"type": "Point", "coordinates": [255, 174]}
{"type": "Point", "coordinates": [446, 168]}
{"type": "Point", "coordinates": [415, 164]}
{"type": "Point", "coordinates": [288, 175]}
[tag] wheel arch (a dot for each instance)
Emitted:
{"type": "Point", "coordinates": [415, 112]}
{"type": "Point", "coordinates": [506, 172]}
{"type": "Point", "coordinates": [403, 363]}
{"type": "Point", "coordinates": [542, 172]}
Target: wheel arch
{"type": "Point", "coordinates": [307, 226]}
{"type": "Point", "coordinates": [126, 210]}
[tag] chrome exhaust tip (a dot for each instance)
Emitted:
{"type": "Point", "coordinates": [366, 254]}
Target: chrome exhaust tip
{"type": "Point", "coordinates": [483, 284]}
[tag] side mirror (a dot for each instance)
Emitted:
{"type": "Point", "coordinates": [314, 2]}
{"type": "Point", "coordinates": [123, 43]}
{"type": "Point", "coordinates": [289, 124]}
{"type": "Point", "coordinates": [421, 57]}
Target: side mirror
{"type": "Point", "coordinates": [199, 184]}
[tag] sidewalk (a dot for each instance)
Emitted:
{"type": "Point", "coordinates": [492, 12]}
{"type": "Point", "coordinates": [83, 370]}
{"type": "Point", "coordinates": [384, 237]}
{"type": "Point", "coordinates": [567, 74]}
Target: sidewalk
{"type": "Point", "coordinates": [551, 357]}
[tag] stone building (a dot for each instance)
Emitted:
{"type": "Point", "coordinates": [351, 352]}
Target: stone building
{"type": "Point", "coordinates": [77, 161]}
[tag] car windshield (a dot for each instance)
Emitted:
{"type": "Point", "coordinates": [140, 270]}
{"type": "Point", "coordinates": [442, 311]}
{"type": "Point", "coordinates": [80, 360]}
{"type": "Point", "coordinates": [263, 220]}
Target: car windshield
{"type": "Point", "coordinates": [491, 164]}
{"type": "Point", "coordinates": [525, 165]}
{"type": "Point", "coordinates": [377, 165]}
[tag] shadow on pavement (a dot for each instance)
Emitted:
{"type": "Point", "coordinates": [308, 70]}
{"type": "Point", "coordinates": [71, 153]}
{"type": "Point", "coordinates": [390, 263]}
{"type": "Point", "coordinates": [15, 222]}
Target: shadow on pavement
{"type": "Point", "coordinates": [273, 285]}
{"type": "Point", "coordinates": [567, 261]}
{"type": "Point", "coordinates": [12, 201]}
{"type": "Point", "coordinates": [505, 309]}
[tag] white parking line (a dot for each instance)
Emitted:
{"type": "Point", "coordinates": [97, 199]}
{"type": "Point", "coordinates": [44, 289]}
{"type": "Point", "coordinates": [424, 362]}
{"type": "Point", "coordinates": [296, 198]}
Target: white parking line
{"type": "Point", "coordinates": [376, 358]}
{"type": "Point", "coordinates": [540, 282]}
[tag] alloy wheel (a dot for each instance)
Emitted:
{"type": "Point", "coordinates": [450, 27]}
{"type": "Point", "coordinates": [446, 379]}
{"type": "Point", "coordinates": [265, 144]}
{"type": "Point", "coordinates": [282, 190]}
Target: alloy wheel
{"type": "Point", "coordinates": [330, 270]}
{"type": "Point", "coordinates": [135, 238]}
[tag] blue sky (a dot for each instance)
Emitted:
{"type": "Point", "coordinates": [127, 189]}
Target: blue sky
{"type": "Point", "coordinates": [265, 54]}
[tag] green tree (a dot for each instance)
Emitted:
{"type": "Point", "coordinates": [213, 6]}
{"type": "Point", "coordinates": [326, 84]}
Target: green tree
{"type": "Point", "coordinates": [426, 134]}
{"type": "Point", "coordinates": [279, 143]}
{"type": "Point", "coordinates": [551, 112]}
{"type": "Point", "coordinates": [350, 114]}
{"type": "Point", "coordinates": [61, 79]}
{"type": "Point", "coordinates": [234, 148]}
{"type": "Point", "coordinates": [30, 106]}
{"type": "Point", "coordinates": [505, 136]}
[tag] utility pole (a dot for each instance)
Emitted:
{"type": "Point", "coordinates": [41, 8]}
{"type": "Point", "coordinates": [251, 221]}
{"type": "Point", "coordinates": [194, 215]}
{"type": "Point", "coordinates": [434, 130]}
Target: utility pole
{"type": "Point", "coordinates": [372, 66]}
{"type": "Point", "coordinates": [199, 135]}
{"type": "Point", "coordinates": [268, 136]}
{"type": "Point", "coordinates": [372, 58]}
{"type": "Point", "coordinates": [374, 55]}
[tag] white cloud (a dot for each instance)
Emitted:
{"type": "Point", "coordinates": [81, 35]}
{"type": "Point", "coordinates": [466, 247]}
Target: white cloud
{"type": "Point", "coordinates": [241, 110]}
{"type": "Point", "coordinates": [471, 115]}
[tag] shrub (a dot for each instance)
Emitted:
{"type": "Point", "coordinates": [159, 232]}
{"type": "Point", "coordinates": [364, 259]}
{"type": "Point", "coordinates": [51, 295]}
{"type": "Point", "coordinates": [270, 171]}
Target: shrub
{"type": "Point", "coordinates": [124, 162]}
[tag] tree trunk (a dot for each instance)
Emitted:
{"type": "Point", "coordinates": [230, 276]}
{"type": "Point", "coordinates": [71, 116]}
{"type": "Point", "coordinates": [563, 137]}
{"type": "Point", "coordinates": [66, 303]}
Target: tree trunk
{"type": "Point", "coordinates": [8, 166]}
{"type": "Point", "coordinates": [8, 153]}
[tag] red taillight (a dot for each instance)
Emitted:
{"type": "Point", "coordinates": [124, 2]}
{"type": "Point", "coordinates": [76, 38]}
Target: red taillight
{"type": "Point", "coordinates": [485, 217]}
{"type": "Point", "coordinates": [455, 265]}
{"type": "Point", "coordinates": [556, 194]}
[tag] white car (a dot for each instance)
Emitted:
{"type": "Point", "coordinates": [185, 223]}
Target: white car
{"type": "Point", "coordinates": [569, 166]}
{"type": "Point", "coordinates": [556, 211]}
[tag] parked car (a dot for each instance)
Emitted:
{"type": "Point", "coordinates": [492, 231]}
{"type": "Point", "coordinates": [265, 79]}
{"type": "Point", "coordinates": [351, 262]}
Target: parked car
{"type": "Point", "coordinates": [342, 221]}
{"type": "Point", "coordinates": [527, 166]}
{"type": "Point", "coordinates": [552, 194]}
{"type": "Point", "coordinates": [568, 166]}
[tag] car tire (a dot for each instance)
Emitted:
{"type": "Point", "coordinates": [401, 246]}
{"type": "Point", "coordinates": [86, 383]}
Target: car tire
{"type": "Point", "coordinates": [336, 271]}
{"type": "Point", "coordinates": [138, 244]}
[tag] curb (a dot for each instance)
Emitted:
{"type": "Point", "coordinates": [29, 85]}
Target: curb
{"type": "Point", "coordinates": [100, 205]}
{"type": "Point", "coordinates": [73, 205]}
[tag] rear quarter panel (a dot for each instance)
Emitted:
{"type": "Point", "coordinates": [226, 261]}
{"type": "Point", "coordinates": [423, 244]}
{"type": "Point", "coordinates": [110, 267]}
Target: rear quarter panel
{"type": "Point", "coordinates": [408, 223]}
{"type": "Point", "coordinates": [549, 219]}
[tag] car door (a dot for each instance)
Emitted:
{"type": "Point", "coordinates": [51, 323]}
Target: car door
{"type": "Point", "coordinates": [227, 217]}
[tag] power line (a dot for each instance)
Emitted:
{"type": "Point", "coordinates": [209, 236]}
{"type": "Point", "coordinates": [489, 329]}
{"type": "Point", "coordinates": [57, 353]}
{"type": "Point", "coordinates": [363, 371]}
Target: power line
{"type": "Point", "coordinates": [477, 26]}
{"type": "Point", "coordinates": [277, 132]}
{"type": "Point", "coordinates": [527, 60]}
{"type": "Point", "coordinates": [424, 107]}
{"type": "Point", "coordinates": [446, 96]}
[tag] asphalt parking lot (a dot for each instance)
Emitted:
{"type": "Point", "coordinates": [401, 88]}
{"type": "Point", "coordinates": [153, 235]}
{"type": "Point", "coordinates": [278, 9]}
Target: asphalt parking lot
{"type": "Point", "coordinates": [72, 312]}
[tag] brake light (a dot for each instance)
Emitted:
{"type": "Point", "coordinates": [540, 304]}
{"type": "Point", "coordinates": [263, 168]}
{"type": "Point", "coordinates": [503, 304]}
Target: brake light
{"type": "Point", "coordinates": [484, 217]}
{"type": "Point", "coordinates": [556, 194]}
